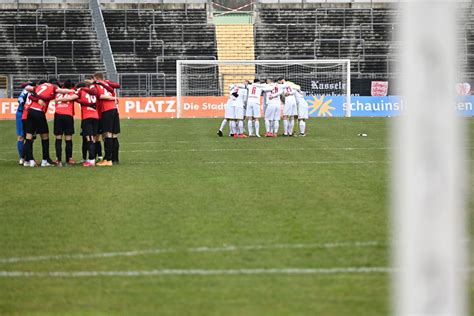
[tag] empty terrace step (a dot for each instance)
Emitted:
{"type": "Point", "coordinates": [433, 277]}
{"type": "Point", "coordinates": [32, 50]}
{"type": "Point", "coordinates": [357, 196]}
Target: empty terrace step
{"type": "Point", "coordinates": [235, 41]}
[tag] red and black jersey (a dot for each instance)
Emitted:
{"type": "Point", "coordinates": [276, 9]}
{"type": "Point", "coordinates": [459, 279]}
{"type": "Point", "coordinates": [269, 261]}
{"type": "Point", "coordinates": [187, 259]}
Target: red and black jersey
{"type": "Point", "coordinates": [106, 87]}
{"type": "Point", "coordinates": [87, 100]}
{"type": "Point", "coordinates": [109, 85]}
{"type": "Point", "coordinates": [45, 92]}
{"type": "Point", "coordinates": [65, 107]}
{"type": "Point", "coordinates": [26, 107]}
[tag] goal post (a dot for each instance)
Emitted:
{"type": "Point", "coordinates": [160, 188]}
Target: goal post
{"type": "Point", "coordinates": [212, 77]}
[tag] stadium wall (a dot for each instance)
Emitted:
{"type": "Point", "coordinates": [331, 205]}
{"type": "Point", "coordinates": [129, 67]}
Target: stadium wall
{"type": "Point", "coordinates": [213, 106]}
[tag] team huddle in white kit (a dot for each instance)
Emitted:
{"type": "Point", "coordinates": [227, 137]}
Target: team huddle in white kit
{"type": "Point", "coordinates": [244, 102]}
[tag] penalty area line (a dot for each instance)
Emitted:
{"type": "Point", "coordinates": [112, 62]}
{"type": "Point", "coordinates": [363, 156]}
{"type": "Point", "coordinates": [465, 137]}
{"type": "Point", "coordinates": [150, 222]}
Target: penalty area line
{"type": "Point", "coordinates": [196, 272]}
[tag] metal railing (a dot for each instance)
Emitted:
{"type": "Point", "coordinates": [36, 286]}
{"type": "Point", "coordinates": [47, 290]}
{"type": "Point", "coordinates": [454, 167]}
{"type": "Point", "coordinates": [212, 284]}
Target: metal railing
{"type": "Point", "coordinates": [134, 45]}
{"type": "Point", "coordinates": [39, 15]}
{"type": "Point", "coordinates": [26, 70]}
{"type": "Point", "coordinates": [387, 59]}
{"type": "Point", "coordinates": [75, 78]}
{"type": "Point", "coordinates": [17, 80]}
{"type": "Point", "coordinates": [286, 27]}
{"type": "Point", "coordinates": [15, 26]}
{"type": "Point", "coordinates": [344, 14]}
{"type": "Point", "coordinates": [45, 44]}
{"type": "Point", "coordinates": [182, 28]}
{"type": "Point", "coordinates": [125, 19]}
{"type": "Point", "coordinates": [338, 41]}
{"type": "Point", "coordinates": [140, 11]}
{"type": "Point", "coordinates": [371, 27]}
{"type": "Point", "coordinates": [162, 59]}
{"type": "Point", "coordinates": [357, 30]}
{"type": "Point", "coordinates": [142, 84]}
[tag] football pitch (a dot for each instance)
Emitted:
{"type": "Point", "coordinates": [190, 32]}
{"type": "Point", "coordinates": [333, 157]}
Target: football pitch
{"type": "Point", "coordinates": [193, 224]}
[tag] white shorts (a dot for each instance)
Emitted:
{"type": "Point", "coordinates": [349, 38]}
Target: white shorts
{"type": "Point", "coordinates": [229, 110]}
{"type": "Point", "coordinates": [289, 109]}
{"type": "Point", "coordinates": [253, 110]}
{"type": "Point", "coordinates": [238, 112]}
{"type": "Point", "coordinates": [303, 111]}
{"type": "Point", "coordinates": [273, 112]}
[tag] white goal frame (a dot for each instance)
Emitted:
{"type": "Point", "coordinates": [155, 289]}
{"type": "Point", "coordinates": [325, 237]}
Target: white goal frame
{"type": "Point", "coordinates": [180, 63]}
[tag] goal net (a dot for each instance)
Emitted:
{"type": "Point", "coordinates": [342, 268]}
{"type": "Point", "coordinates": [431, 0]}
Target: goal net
{"type": "Point", "coordinates": [316, 77]}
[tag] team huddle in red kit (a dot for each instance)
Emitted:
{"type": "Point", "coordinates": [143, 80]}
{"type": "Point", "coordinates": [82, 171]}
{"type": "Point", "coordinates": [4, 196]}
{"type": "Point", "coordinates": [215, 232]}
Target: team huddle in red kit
{"type": "Point", "coordinates": [99, 119]}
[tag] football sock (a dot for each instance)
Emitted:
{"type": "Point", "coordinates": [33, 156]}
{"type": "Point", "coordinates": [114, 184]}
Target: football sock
{"type": "Point", "coordinates": [91, 150]}
{"type": "Point", "coordinates": [68, 150]}
{"type": "Point", "coordinates": [233, 127]}
{"type": "Point", "coordinates": [59, 149]}
{"type": "Point", "coordinates": [250, 127]}
{"type": "Point", "coordinates": [241, 126]}
{"type": "Point", "coordinates": [19, 146]}
{"type": "Point", "coordinates": [84, 148]}
{"type": "Point", "coordinates": [285, 126]}
{"type": "Point", "coordinates": [257, 127]}
{"type": "Point", "coordinates": [108, 144]}
{"type": "Point", "coordinates": [115, 152]}
{"type": "Point", "coordinates": [302, 126]}
{"type": "Point", "coordinates": [223, 124]}
{"type": "Point", "coordinates": [98, 148]}
{"type": "Point", "coordinates": [291, 126]}
{"type": "Point", "coordinates": [276, 125]}
{"type": "Point", "coordinates": [28, 150]}
{"type": "Point", "coordinates": [45, 145]}
{"type": "Point", "coordinates": [267, 126]}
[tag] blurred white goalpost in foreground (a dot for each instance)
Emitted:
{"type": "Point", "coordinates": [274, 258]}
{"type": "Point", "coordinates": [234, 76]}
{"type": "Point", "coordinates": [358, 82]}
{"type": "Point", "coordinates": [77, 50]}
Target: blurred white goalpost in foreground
{"type": "Point", "coordinates": [212, 77]}
{"type": "Point", "coordinates": [429, 174]}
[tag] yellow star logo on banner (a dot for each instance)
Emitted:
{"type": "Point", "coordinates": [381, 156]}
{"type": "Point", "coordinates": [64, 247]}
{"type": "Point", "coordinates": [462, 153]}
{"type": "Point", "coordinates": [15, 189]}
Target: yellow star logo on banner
{"type": "Point", "coordinates": [323, 107]}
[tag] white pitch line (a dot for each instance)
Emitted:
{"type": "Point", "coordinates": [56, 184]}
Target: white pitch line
{"type": "Point", "coordinates": [253, 149]}
{"type": "Point", "coordinates": [156, 251]}
{"type": "Point", "coordinates": [241, 149]}
{"type": "Point", "coordinates": [292, 162]}
{"type": "Point", "coordinates": [197, 272]}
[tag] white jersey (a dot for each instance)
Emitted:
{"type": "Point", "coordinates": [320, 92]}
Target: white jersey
{"type": "Point", "coordinates": [300, 100]}
{"type": "Point", "coordinates": [255, 92]}
{"type": "Point", "coordinates": [273, 97]}
{"type": "Point", "coordinates": [287, 89]}
{"type": "Point", "coordinates": [302, 105]}
{"type": "Point", "coordinates": [229, 107]}
{"type": "Point", "coordinates": [241, 100]}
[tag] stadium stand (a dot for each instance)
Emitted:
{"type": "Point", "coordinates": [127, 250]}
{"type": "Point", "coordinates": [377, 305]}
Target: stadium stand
{"type": "Point", "coordinates": [328, 33]}
{"type": "Point", "coordinates": [147, 43]}
{"type": "Point", "coordinates": [48, 42]}
{"type": "Point", "coordinates": [58, 38]}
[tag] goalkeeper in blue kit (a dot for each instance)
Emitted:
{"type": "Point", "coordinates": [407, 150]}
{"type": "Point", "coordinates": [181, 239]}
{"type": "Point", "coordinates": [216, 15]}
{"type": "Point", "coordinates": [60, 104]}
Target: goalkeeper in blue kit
{"type": "Point", "coordinates": [19, 125]}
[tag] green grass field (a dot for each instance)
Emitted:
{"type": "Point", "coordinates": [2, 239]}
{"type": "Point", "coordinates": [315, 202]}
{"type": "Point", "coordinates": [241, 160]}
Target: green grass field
{"type": "Point", "coordinates": [193, 224]}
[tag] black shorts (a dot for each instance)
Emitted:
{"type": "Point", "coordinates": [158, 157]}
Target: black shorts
{"type": "Point", "coordinates": [63, 124]}
{"type": "Point", "coordinates": [111, 122]}
{"type": "Point", "coordinates": [90, 127]}
{"type": "Point", "coordinates": [36, 122]}
{"type": "Point", "coordinates": [23, 122]}
{"type": "Point", "coordinates": [101, 129]}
